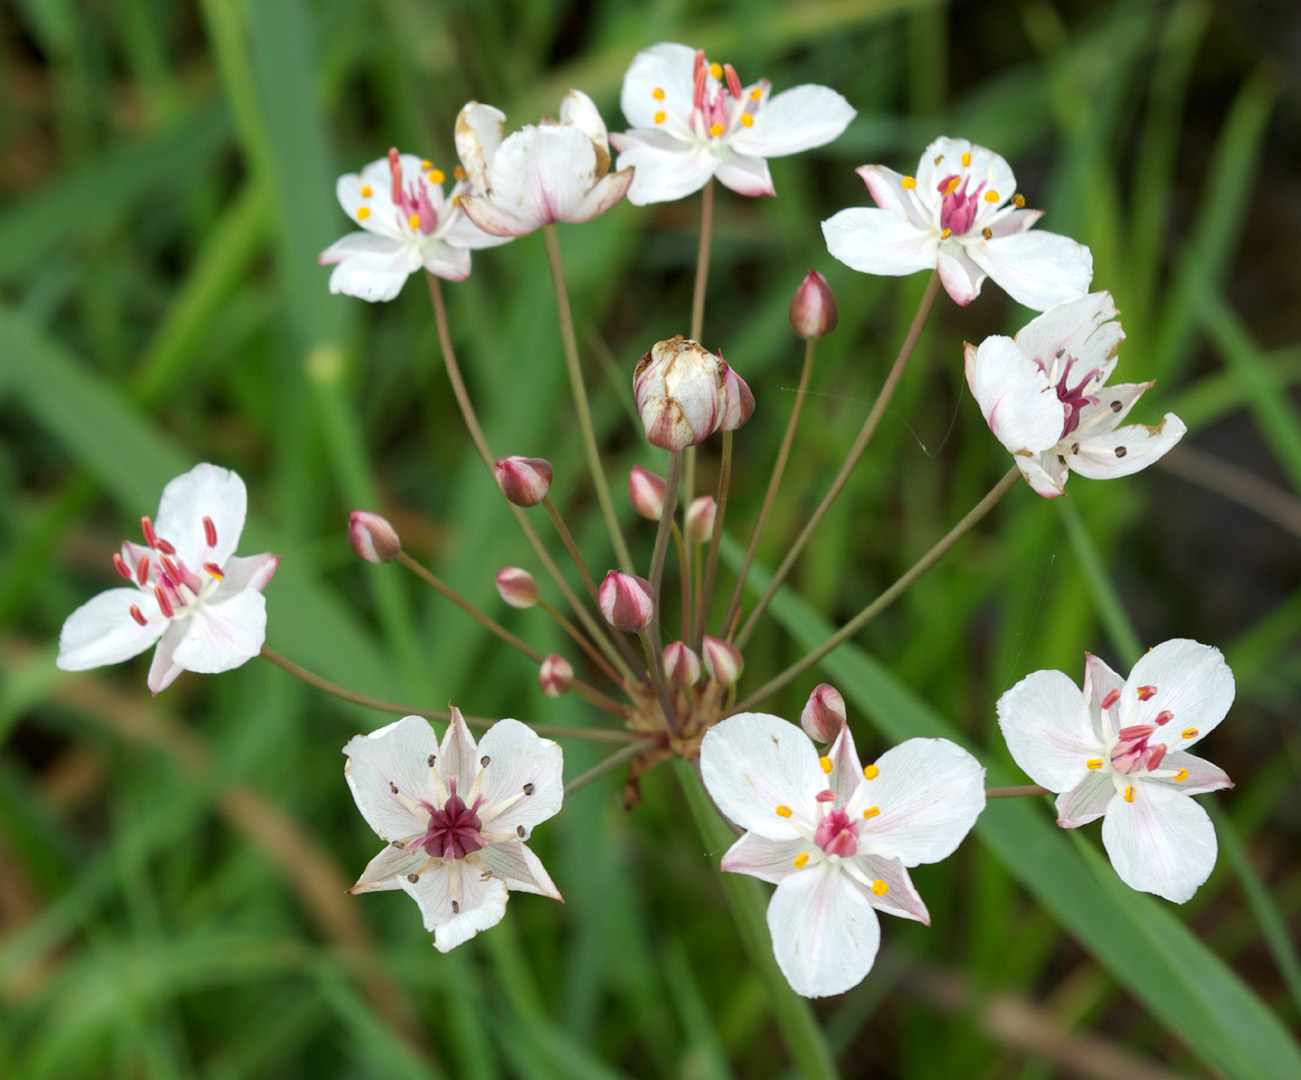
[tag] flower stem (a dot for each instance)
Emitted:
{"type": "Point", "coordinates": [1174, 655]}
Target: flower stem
{"type": "Point", "coordinates": [655, 665]}
{"type": "Point", "coordinates": [684, 579]}
{"type": "Point", "coordinates": [698, 314]}
{"type": "Point", "coordinates": [579, 391]}
{"type": "Point", "coordinates": [626, 753]}
{"type": "Point", "coordinates": [889, 596]}
{"type": "Point", "coordinates": [711, 564]}
{"type": "Point", "coordinates": [734, 604]}
{"type": "Point", "coordinates": [851, 460]}
{"type": "Point", "coordinates": [666, 524]}
{"type": "Point", "coordinates": [1015, 792]}
{"type": "Point", "coordinates": [625, 679]}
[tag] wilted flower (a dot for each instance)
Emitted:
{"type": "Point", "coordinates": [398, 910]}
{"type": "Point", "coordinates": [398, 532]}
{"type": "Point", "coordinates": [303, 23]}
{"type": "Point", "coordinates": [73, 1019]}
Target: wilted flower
{"type": "Point", "coordinates": [525, 481]}
{"type": "Point", "coordinates": [517, 587]}
{"type": "Point", "coordinates": [1119, 750]}
{"type": "Point", "coordinates": [723, 660]}
{"type": "Point", "coordinates": [700, 518]}
{"type": "Point", "coordinates": [188, 590]}
{"type": "Point", "coordinates": [372, 537]}
{"type": "Point", "coordinates": [681, 665]}
{"type": "Point", "coordinates": [960, 214]}
{"type": "Point", "coordinates": [685, 393]}
{"type": "Point", "coordinates": [556, 675]}
{"type": "Point", "coordinates": [646, 493]}
{"type": "Point", "coordinates": [1043, 394]}
{"type": "Point", "coordinates": [692, 120]}
{"type": "Point", "coordinates": [834, 837]}
{"type": "Point", "coordinates": [455, 817]}
{"type": "Point", "coordinates": [627, 601]}
{"type": "Point", "coordinates": [813, 307]}
{"type": "Point", "coordinates": [824, 714]}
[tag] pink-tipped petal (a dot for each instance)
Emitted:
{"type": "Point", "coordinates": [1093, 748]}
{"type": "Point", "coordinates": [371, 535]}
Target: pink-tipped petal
{"type": "Point", "coordinates": [1162, 842]}
{"type": "Point", "coordinates": [825, 934]}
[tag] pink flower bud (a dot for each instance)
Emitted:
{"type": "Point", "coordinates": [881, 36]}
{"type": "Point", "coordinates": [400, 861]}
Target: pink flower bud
{"type": "Point", "coordinates": [525, 481]}
{"type": "Point", "coordinates": [646, 493]}
{"type": "Point", "coordinates": [813, 308]}
{"type": "Point", "coordinates": [738, 402]}
{"type": "Point", "coordinates": [372, 537]}
{"type": "Point", "coordinates": [517, 587]}
{"type": "Point", "coordinates": [627, 601]}
{"type": "Point", "coordinates": [824, 715]}
{"type": "Point", "coordinates": [681, 665]}
{"type": "Point", "coordinates": [680, 392]}
{"type": "Point", "coordinates": [556, 675]}
{"type": "Point", "coordinates": [700, 518]}
{"type": "Point", "coordinates": [722, 661]}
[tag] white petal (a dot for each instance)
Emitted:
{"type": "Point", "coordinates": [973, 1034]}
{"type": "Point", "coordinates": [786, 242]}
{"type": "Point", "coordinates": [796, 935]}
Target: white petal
{"type": "Point", "coordinates": [1099, 682]}
{"type": "Point", "coordinates": [519, 868]}
{"type": "Point", "coordinates": [796, 119]}
{"type": "Point", "coordinates": [1098, 457]}
{"type": "Point", "coordinates": [846, 768]}
{"type": "Point", "coordinates": [1113, 405]}
{"type": "Point", "coordinates": [494, 219]}
{"type": "Point", "coordinates": [607, 191]}
{"type": "Point", "coordinates": [205, 491]}
{"type": "Point", "coordinates": [379, 252]}
{"type": "Point", "coordinates": [519, 757]}
{"type": "Point", "coordinates": [383, 872]}
{"type": "Point", "coordinates": [458, 757]}
{"type": "Point", "coordinates": [1044, 472]}
{"type": "Point", "coordinates": [824, 932]}
{"type": "Point", "coordinates": [887, 191]}
{"type": "Point", "coordinates": [960, 276]}
{"type": "Point", "coordinates": [752, 763]}
{"type": "Point", "coordinates": [900, 898]}
{"type": "Point", "coordinates": [353, 277]}
{"type": "Point", "coordinates": [1019, 406]}
{"type": "Point", "coordinates": [102, 631]}
{"type": "Point", "coordinates": [879, 242]}
{"type": "Point", "coordinates": [394, 756]}
{"type": "Point", "coordinates": [164, 669]}
{"type": "Point", "coordinates": [464, 233]}
{"type": "Point", "coordinates": [744, 174]}
{"type": "Point", "coordinates": [480, 130]}
{"type": "Point", "coordinates": [985, 165]}
{"type": "Point", "coordinates": [1202, 775]}
{"type": "Point", "coordinates": [447, 262]}
{"type": "Point", "coordinates": [1161, 843]}
{"type": "Point", "coordinates": [1048, 729]}
{"type": "Point", "coordinates": [1037, 269]}
{"type": "Point", "coordinates": [1081, 327]}
{"type": "Point", "coordinates": [223, 635]}
{"type": "Point", "coordinates": [667, 67]}
{"type": "Point", "coordinates": [663, 173]}
{"type": "Point", "coordinates": [249, 572]}
{"type": "Point", "coordinates": [1086, 801]}
{"type": "Point", "coordinates": [481, 902]}
{"type": "Point", "coordinates": [577, 110]}
{"type": "Point", "coordinates": [382, 216]}
{"type": "Point", "coordinates": [1192, 681]}
{"type": "Point", "coordinates": [769, 860]}
{"type": "Point", "coordinates": [928, 792]}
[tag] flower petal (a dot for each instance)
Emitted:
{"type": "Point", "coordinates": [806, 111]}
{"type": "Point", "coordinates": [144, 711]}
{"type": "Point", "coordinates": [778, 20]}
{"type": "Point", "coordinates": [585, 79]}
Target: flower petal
{"type": "Point", "coordinates": [480, 902]}
{"type": "Point", "coordinates": [665, 169]}
{"type": "Point", "coordinates": [794, 120]}
{"type": "Point", "coordinates": [394, 756]}
{"type": "Point", "coordinates": [887, 191]}
{"type": "Point", "coordinates": [1161, 843]}
{"type": "Point", "coordinates": [1019, 406]}
{"type": "Point", "coordinates": [900, 898]}
{"type": "Point", "coordinates": [1192, 681]}
{"type": "Point", "coordinates": [666, 67]}
{"type": "Point", "coordinates": [221, 635]}
{"type": "Point", "coordinates": [1201, 777]}
{"type": "Point", "coordinates": [519, 868]}
{"type": "Point", "coordinates": [205, 491]}
{"type": "Point", "coordinates": [1048, 729]}
{"type": "Point", "coordinates": [382, 873]}
{"type": "Point", "coordinates": [381, 217]}
{"type": "Point", "coordinates": [247, 572]}
{"type": "Point", "coordinates": [1044, 472]}
{"type": "Point", "coordinates": [846, 768]}
{"type": "Point", "coordinates": [103, 631]}
{"type": "Point", "coordinates": [744, 174]}
{"type": "Point", "coordinates": [1105, 455]}
{"type": "Point", "coordinates": [824, 932]}
{"type": "Point", "coordinates": [943, 157]}
{"type": "Point", "coordinates": [1086, 801]}
{"type": "Point", "coordinates": [164, 669]}
{"type": "Point", "coordinates": [960, 276]}
{"type": "Point", "coordinates": [1099, 682]}
{"type": "Point", "coordinates": [519, 757]}
{"type": "Point", "coordinates": [1037, 269]}
{"type": "Point", "coordinates": [577, 110]}
{"type": "Point", "coordinates": [878, 242]}
{"type": "Point", "coordinates": [1083, 328]}
{"type": "Point", "coordinates": [458, 757]}
{"type": "Point", "coordinates": [769, 860]}
{"type": "Point", "coordinates": [602, 196]}
{"type": "Point", "coordinates": [494, 219]}
{"type": "Point", "coordinates": [752, 763]}
{"type": "Point", "coordinates": [480, 130]}
{"type": "Point", "coordinates": [1113, 405]}
{"type": "Point", "coordinates": [464, 233]}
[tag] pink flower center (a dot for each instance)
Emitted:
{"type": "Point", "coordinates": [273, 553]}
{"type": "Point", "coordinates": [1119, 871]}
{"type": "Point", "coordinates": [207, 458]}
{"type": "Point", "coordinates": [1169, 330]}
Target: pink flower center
{"type": "Point", "coordinates": [717, 110]}
{"type": "Point", "coordinates": [1073, 398]}
{"type": "Point", "coordinates": [455, 830]}
{"type": "Point", "coordinates": [837, 834]}
{"type": "Point", "coordinates": [415, 211]}
{"type": "Point", "coordinates": [164, 573]}
{"type": "Point", "coordinates": [1132, 753]}
{"type": "Point", "coordinates": [957, 207]}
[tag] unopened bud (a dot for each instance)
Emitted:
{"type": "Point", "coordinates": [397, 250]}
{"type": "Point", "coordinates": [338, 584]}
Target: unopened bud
{"type": "Point", "coordinates": [824, 715]}
{"type": "Point", "coordinates": [525, 481]}
{"type": "Point", "coordinates": [556, 675]}
{"type": "Point", "coordinates": [679, 386]}
{"type": "Point", "coordinates": [738, 402]}
{"type": "Point", "coordinates": [722, 661]}
{"type": "Point", "coordinates": [646, 493]}
{"type": "Point", "coordinates": [681, 665]}
{"type": "Point", "coordinates": [372, 537]}
{"type": "Point", "coordinates": [813, 308]}
{"type": "Point", "coordinates": [700, 518]}
{"type": "Point", "coordinates": [517, 587]}
{"type": "Point", "coordinates": [627, 601]}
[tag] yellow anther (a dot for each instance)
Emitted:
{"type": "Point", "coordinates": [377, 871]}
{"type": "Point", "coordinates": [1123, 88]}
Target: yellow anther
{"type": "Point", "coordinates": [908, 183]}
{"type": "Point", "coordinates": [1018, 201]}
{"type": "Point", "coordinates": [953, 186]}
{"type": "Point", "coordinates": [716, 130]}
{"type": "Point", "coordinates": [880, 887]}
{"type": "Point", "coordinates": [365, 191]}
{"type": "Point", "coordinates": [1188, 733]}
{"type": "Point", "coordinates": [214, 572]}
{"type": "Point", "coordinates": [747, 120]}
{"type": "Point", "coordinates": [801, 860]}
{"type": "Point", "coordinates": [966, 160]}
{"type": "Point", "coordinates": [456, 200]}
{"type": "Point", "coordinates": [987, 233]}
{"type": "Point", "coordinates": [756, 94]}
{"type": "Point", "coordinates": [1182, 774]}
{"type": "Point", "coordinates": [1129, 793]}
{"type": "Point", "coordinates": [658, 94]}
{"type": "Point", "coordinates": [783, 811]}
{"type": "Point", "coordinates": [459, 173]}
{"type": "Point", "coordinates": [938, 158]}
{"type": "Point", "coordinates": [825, 762]}
{"type": "Point", "coordinates": [871, 772]}
{"type": "Point", "coordinates": [1095, 764]}
{"type": "Point", "coordinates": [660, 116]}
{"type": "Point", "coordinates": [436, 176]}
{"type": "Point", "coordinates": [991, 195]}
{"type": "Point", "coordinates": [363, 213]}
{"type": "Point", "coordinates": [426, 165]}
{"type": "Point", "coordinates": [946, 234]}
{"type": "Point", "coordinates": [716, 70]}
{"type": "Point", "coordinates": [414, 221]}
{"type": "Point", "coordinates": [871, 812]}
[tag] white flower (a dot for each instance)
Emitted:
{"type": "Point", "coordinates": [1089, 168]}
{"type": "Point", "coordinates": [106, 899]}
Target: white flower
{"type": "Point", "coordinates": [1043, 394]}
{"type": "Point", "coordinates": [960, 214]}
{"type": "Point", "coordinates": [1119, 751]}
{"type": "Point", "coordinates": [188, 591]}
{"type": "Point", "coordinates": [408, 224]}
{"type": "Point", "coordinates": [537, 175]}
{"type": "Point", "coordinates": [692, 120]}
{"type": "Point", "coordinates": [836, 838]}
{"type": "Point", "coordinates": [455, 817]}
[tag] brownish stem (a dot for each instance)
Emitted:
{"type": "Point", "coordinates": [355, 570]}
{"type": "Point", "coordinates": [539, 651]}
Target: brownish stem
{"type": "Point", "coordinates": [706, 596]}
{"type": "Point", "coordinates": [581, 640]}
{"type": "Point", "coordinates": [616, 759]}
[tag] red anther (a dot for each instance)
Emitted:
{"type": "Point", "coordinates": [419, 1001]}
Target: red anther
{"type": "Point", "coordinates": [209, 532]}
{"type": "Point", "coordinates": [1112, 697]}
{"type": "Point", "coordinates": [142, 571]}
{"type": "Point", "coordinates": [120, 565]}
{"type": "Point", "coordinates": [166, 546]}
{"type": "Point", "coordinates": [733, 82]}
{"type": "Point", "coordinates": [825, 796]}
{"type": "Point", "coordinates": [1164, 717]}
{"type": "Point", "coordinates": [698, 64]}
{"type": "Point", "coordinates": [164, 604]}
{"type": "Point", "coordinates": [395, 171]}
{"type": "Point", "coordinates": [1154, 756]}
{"type": "Point", "coordinates": [139, 615]}
{"type": "Point", "coordinates": [1145, 692]}
{"type": "Point", "coordinates": [171, 571]}
{"type": "Point", "coordinates": [698, 89]}
{"type": "Point", "coordinates": [213, 570]}
{"type": "Point", "coordinates": [1135, 731]}
{"type": "Point", "coordinates": [147, 527]}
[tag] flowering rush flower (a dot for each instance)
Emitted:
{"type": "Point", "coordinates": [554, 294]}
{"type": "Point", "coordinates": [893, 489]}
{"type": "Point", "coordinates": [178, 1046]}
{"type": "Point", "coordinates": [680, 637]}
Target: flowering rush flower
{"type": "Point", "coordinates": [187, 590]}
{"type": "Point", "coordinates": [455, 817]}
{"type": "Point", "coordinates": [836, 838]}
{"type": "Point", "coordinates": [962, 215]}
{"type": "Point", "coordinates": [398, 201]}
{"type": "Point", "coordinates": [1043, 394]}
{"type": "Point", "coordinates": [537, 175]}
{"type": "Point", "coordinates": [692, 120]}
{"type": "Point", "coordinates": [1119, 752]}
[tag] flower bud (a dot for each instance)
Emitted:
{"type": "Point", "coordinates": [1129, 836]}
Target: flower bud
{"type": "Point", "coordinates": [700, 518]}
{"type": "Point", "coordinates": [372, 537]}
{"type": "Point", "coordinates": [517, 587]}
{"type": "Point", "coordinates": [824, 715]}
{"type": "Point", "coordinates": [722, 661]}
{"type": "Point", "coordinates": [556, 675]}
{"type": "Point", "coordinates": [525, 481]}
{"type": "Point", "coordinates": [681, 665]}
{"type": "Point", "coordinates": [813, 308]}
{"type": "Point", "coordinates": [680, 392]}
{"type": "Point", "coordinates": [627, 601]}
{"type": "Point", "coordinates": [738, 402]}
{"type": "Point", "coordinates": [646, 493]}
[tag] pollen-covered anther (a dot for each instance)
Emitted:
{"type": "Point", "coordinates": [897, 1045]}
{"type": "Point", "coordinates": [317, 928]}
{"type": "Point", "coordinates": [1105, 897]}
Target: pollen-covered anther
{"type": "Point", "coordinates": [966, 159]}
{"type": "Point", "coordinates": [783, 811]}
{"type": "Point", "coordinates": [880, 887]}
{"type": "Point", "coordinates": [1163, 717]}
{"type": "Point", "coordinates": [426, 165]}
{"type": "Point", "coordinates": [1018, 201]}
{"type": "Point", "coordinates": [871, 812]}
{"type": "Point", "coordinates": [1112, 697]}
{"type": "Point", "coordinates": [716, 130]}
{"type": "Point", "coordinates": [661, 116]}
{"type": "Point", "coordinates": [436, 176]}
{"type": "Point", "coordinates": [1188, 733]}
{"type": "Point", "coordinates": [716, 70]}
{"type": "Point", "coordinates": [209, 532]}
{"type": "Point", "coordinates": [987, 233]}
{"type": "Point", "coordinates": [871, 772]}
{"type": "Point", "coordinates": [908, 183]}
{"type": "Point", "coordinates": [801, 860]}
{"type": "Point", "coordinates": [1181, 775]}
{"type": "Point", "coordinates": [658, 93]}
{"type": "Point", "coordinates": [138, 615]}
{"type": "Point", "coordinates": [363, 213]}
{"type": "Point", "coordinates": [1095, 764]}
{"type": "Point", "coordinates": [826, 795]}
{"type": "Point", "coordinates": [946, 234]}
{"type": "Point", "coordinates": [747, 120]}
{"type": "Point", "coordinates": [213, 570]}
{"type": "Point", "coordinates": [991, 196]}
{"type": "Point", "coordinates": [756, 94]}
{"type": "Point", "coordinates": [366, 191]}
{"type": "Point", "coordinates": [826, 764]}
{"type": "Point", "coordinates": [1129, 793]}
{"type": "Point", "coordinates": [952, 185]}
{"type": "Point", "coordinates": [414, 221]}
{"type": "Point", "coordinates": [459, 173]}
{"type": "Point", "coordinates": [1145, 692]}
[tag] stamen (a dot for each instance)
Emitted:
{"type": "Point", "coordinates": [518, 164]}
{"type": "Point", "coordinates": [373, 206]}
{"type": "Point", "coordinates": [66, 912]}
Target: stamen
{"type": "Point", "coordinates": [483, 761]}
{"type": "Point", "coordinates": [871, 812]}
{"type": "Point", "coordinates": [214, 571]}
{"type": "Point", "coordinates": [147, 527]}
{"type": "Point", "coordinates": [166, 547]}
{"type": "Point", "coordinates": [519, 831]}
{"type": "Point", "coordinates": [783, 811]}
{"type": "Point", "coordinates": [414, 221]}
{"type": "Point", "coordinates": [1129, 793]}
{"type": "Point", "coordinates": [413, 878]}
{"type": "Point", "coordinates": [1018, 201]}
{"type": "Point", "coordinates": [716, 70]}
{"type": "Point", "coordinates": [399, 845]}
{"type": "Point", "coordinates": [991, 195]}
{"type": "Point", "coordinates": [658, 94]}
{"type": "Point", "coordinates": [938, 159]}
{"type": "Point", "coordinates": [363, 213]}
{"type": "Point", "coordinates": [395, 176]}
{"type": "Point", "coordinates": [1095, 764]}
{"type": "Point", "coordinates": [460, 173]}
{"type": "Point", "coordinates": [661, 116]}
{"type": "Point", "coordinates": [908, 183]}
{"type": "Point", "coordinates": [528, 789]}
{"type": "Point", "coordinates": [1163, 717]}
{"type": "Point", "coordinates": [456, 907]}
{"type": "Point", "coordinates": [825, 796]}
{"type": "Point", "coordinates": [1188, 733]}
{"type": "Point", "coordinates": [825, 762]}
{"type": "Point", "coordinates": [1112, 697]}
{"type": "Point", "coordinates": [946, 234]}
{"type": "Point", "coordinates": [164, 604]}
{"type": "Point", "coordinates": [119, 564]}
{"type": "Point", "coordinates": [747, 120]}
{"type": "Point", "coordinates": [966, 159]}
{"type": "Point", "coordinates": [733, 83]}
{"type": "Point", "coordinates": [366, 191]}
{"type": "Point", "coordinates": [1116, 406]}
{"type": "Point", "coordinates": [1182, 774]}
{"type": "Point", "coordinates": [139, 616]}
{"type": "Point", "coordinates": [801, 860]}
{"type": "Point", "coordinates": [987, 233]}
{"type": "Point", "coordinates": [756, 94]}
{"type": "Point", "coordinates": [715, 130]}
{"type": "Point", "coordinates": [952, 186]}
{"type": "Point", "coordinates": [436, 176]}
{"type": "Point", "coordinates": [1154, 756]}
{"type": "Point", "coordinates": [209, 531]}
{"type": "Point", "coordinates": [142, 571]}
{"type": "Point", "coordinates": [426, 165]}
{"type": "Point", "coordinates": [1121, 451]}
{"type": "Point", "coordinates": [1145, 692]}
{"type": "Point", "coordinates": [880, 887]}
{"type": "Point", "coordinates": [432, 759]}
{"type": "Point", "coordinates": [871, 772]}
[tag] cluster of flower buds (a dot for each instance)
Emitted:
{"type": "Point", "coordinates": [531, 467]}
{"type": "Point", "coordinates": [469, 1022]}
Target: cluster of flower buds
{"type": "Point", "coordinates": [685, 393]}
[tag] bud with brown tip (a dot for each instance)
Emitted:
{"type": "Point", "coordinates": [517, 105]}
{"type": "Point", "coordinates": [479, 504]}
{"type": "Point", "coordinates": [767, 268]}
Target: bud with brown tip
{"type": "Point", "coordinates": [679, 386]}
{"type": "Point", "coordinates": [627, 601]}
{"type": "Point", "coordinates": [722, 661]}
{"type": "Point", "coordinates": [700, 518]}
{"type": "Point", "coordinates": [681, 665]}
{"type": "Point", "coordinates": [517, 587]}
{"type": "Point", "coordinates": [556, 675]}
{"type": "Point", "coordinates": [813, 308]}
{"type": "Point", "coordinates": [646, 493]}
{"type": "Point", "coordinates": [824, 715]}
{"type": "Point", "coordinates": [372, 537]}
{"type": "Point", "coordinates": [525, 481]}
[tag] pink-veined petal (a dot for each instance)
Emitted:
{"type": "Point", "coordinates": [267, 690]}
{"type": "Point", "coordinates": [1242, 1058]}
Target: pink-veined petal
{"type": "Point", "coordinates": [540, 174]}
{"type": "Point", "coordinates": [666, 67]}
{"type": "Point", "coordinates": [1192, 682]}
{"type": "Point", "coordinates": [878, 242]}
{"type": "Point", "coordinates": [383, 872]}
{"type": "Point", "coordinates": [1084, 328]}
{"type": "Point", "coordinates": [846, 768]}
{"type": "Point", "coordinates": [464, 233]}
{"type": "Point", "coordinates": [603, 195]}
{"type": "Point", "coordinates": [1099, 682]}
{"type": "Point", "coordinates": [1038, 269]}
{"type": "Point", "coordinates": [519, 758]}
{"type": "Point", "coordinates": [1107, 455]}
{"type": "Point", "coordinates": [1086, 801]}
{"type": "Point", "coordinates": [480, 130]}
{"type": "Point", "coordinates": [1162, 842]}
{"type": "Point", "coordinates": [1113, 405]}
{"type": "Point", "coordinates": [900, 897]}
{"type": "Point", "coordinates": [223, 635]}
{"type": "Point", "coordinates": [769, 860]}
{"type": "Point", "coordinates": [447, 262]}
{"type": "Point", "coordinates": [521, 870]}
{"type": "Point", "coordinates": [1019, 406]}
{"type": "Point", "coordinates": [1201, 775]}
{"type": "Point", "coordinates": [247, 572]}
{"type": "Point", "coordinates": [662, 173]}
{"type": "Point", "coordinates": [479, 902]}
{"type": "Point", "coordinates": [164, 669]}
{"type": "Point", "coordinates": [205, 491]}
{"type": "Point", "coordinates": [743, 173]}
{"type": "Point", "coordinates": [887, 191]}
{"type": "Point", "coordinates": [103, 631]}
{"type": "Point", "coordinates": [394, 756]}
{"type": "Point", "coordinates": [795, 120]}
{"type": "Point", "coordinates": [458, 757]}
{"type": "Point", "coordinates": [495, 219]}
{"type": "Point", "coordinates": [824, 932]}
{"type": "Point", "coordinates": [1048, 729]}
{"type": "Point", "coordinates": [960, 276]}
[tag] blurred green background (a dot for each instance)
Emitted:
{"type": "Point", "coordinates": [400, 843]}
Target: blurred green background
{"type": "Point", "coordinates": [172, 869]}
